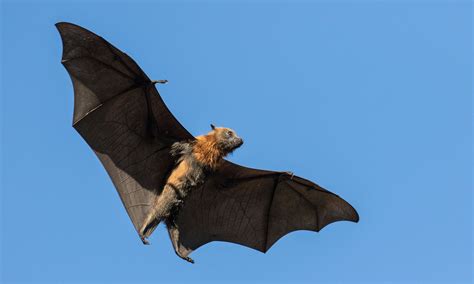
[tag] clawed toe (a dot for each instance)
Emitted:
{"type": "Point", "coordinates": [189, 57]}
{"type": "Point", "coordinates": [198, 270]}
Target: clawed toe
{"type": "Point", "coordinates": [188, 259]}
{"type": "Point", "coordinates": [144, 240]}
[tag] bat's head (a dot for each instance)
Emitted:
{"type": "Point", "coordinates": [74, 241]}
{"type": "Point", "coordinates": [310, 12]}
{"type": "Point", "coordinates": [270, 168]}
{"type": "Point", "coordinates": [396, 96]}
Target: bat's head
{"type": "Point", "coordinates": [226, 139]}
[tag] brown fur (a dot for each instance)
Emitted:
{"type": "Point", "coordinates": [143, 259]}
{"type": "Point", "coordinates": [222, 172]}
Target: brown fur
{"type": "Point", "coordinates": [206, 150]}
{"type": "Point", "coordinates": [178, 173]}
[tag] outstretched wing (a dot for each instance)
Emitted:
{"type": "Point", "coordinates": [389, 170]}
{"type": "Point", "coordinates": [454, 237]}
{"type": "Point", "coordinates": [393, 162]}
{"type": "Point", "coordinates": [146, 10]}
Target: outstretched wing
{"type": "Point", "coordinates": [255, 208]}
{"type": "Point", "coordinates": [120, 114]}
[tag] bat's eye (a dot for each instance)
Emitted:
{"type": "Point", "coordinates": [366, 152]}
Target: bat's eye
{"type": "Point", "coordinates": [229, 133]}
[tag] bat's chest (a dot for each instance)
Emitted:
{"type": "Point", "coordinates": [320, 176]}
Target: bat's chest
{"type": "Point", "coordinates": [187, 175]}
{"type": "Point", "coordinates": [194, 178]}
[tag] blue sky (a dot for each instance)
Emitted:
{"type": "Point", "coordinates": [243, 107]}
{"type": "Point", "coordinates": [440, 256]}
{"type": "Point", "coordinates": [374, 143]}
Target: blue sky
{"type": "Point", "coordinates": [370, 99]}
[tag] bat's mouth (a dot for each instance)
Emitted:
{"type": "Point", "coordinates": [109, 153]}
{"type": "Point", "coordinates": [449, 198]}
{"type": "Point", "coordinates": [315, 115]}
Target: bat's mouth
{"type": "Point", "coordinates": [241, 141]}
{"type": "Point", "coordinates": [234, 145]}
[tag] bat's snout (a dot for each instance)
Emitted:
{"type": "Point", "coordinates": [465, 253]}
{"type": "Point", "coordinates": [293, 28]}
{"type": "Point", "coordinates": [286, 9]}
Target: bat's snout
{"type": "Point", "coordinates": [240, 141]}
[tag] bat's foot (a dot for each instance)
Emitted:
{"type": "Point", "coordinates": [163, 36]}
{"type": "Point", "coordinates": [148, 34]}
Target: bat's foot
{"type": "Point", "coordinates": [147, 229]}
{"type": "Point", "coordinates": [187, 258]}
{"type": "Point", "coordinates": [159, 82]}
{"type": "Point", "coordinates": [144, 240]}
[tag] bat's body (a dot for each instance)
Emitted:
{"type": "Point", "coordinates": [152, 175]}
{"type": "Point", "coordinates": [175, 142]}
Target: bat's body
{"type": "Point", "coordinates": [195, 159]}
{"type": "Point", "coordinates": [163, 173]}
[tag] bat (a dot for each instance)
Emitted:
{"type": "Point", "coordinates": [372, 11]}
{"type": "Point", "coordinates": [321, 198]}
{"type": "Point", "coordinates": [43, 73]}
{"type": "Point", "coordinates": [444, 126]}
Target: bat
{"type": "Point", "coordinates": [160, 171]}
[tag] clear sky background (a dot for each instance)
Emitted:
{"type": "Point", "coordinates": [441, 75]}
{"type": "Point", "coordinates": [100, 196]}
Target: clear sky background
{"type": "Point", "coordinates": [370, 99]}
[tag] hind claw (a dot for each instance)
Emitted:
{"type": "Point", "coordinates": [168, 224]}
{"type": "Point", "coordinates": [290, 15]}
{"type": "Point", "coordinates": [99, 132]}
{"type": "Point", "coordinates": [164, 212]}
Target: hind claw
{"type": "Point", "coordinates": [188, 259]}
{"type": "Point", "coordinates": [144, 240]}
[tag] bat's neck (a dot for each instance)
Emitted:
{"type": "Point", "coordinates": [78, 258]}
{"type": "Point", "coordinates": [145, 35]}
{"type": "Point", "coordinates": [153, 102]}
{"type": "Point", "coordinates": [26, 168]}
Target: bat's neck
{"type": "Point", "coordinates": [207, 152]}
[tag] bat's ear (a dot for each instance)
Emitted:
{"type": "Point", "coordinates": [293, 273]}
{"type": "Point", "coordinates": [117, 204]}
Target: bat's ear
{"type": "Point", "coordinates": [212, 126]}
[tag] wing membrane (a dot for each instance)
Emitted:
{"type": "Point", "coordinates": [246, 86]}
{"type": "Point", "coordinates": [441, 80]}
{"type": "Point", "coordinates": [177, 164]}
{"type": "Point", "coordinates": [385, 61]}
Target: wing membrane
{"type": "Point", "coordinates": [120, 114]}
{"type": "Point", "coordinates": [255, 208]}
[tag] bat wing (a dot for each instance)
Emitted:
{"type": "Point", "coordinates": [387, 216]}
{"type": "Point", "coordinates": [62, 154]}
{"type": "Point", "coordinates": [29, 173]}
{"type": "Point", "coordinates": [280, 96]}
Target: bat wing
{"type": "Point", "coordinates": [120, 114]}
{"type": "Point", "coordinates": [255, 208]}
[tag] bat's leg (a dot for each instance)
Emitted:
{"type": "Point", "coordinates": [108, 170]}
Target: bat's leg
{"type": "Point", "coordinates": [160, 210]}
{"type": "Point", "coordinates": [174, 236]}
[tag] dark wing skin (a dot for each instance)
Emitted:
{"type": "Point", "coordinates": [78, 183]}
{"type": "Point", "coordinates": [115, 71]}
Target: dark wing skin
{"type": "Point", "coordinates": [120, 114]}
{"type": "Point", "coordinates": [255, 208]}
